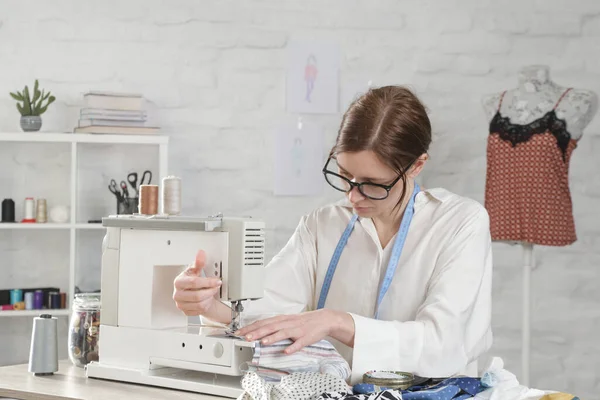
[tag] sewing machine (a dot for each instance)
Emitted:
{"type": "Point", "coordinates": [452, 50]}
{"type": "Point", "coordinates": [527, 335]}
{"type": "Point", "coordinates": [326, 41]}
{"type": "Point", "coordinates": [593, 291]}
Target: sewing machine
{"type": "Point", "coordinates": [143, 337]}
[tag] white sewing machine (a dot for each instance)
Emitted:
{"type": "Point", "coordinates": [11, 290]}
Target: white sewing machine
{"type": "Point", "coordinates": [143, 337]}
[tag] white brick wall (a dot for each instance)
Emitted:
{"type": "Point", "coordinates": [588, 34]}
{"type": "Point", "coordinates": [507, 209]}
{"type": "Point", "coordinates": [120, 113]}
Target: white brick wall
{"type": "Point", "coordinates": [214, 72]}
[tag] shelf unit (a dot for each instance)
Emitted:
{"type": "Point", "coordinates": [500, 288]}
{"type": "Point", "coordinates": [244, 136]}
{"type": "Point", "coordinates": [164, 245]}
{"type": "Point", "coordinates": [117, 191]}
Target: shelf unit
{"type": "Point", "coordinates": [50, 225]}
{"type": "Point", "coordinates": [34, 313]}
{"type": "Point", "coordinates": [162, 141]}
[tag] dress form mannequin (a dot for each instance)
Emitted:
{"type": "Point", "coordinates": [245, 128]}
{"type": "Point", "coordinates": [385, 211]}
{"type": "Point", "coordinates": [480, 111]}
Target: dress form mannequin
{"type": "Point", "coordinates": [538, 101]}
{"type": "Point", "coordinates": [536, 94]}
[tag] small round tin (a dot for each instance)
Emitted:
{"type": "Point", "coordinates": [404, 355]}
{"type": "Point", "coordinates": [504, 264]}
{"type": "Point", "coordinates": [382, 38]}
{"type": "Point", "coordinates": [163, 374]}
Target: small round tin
{"type": "Point", "coordinates": [389, 379]}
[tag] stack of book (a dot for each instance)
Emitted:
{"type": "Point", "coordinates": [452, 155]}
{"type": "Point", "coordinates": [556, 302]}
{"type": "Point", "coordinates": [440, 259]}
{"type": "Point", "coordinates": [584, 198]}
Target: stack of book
{"type": "Point", "coordinates": [113, 113]}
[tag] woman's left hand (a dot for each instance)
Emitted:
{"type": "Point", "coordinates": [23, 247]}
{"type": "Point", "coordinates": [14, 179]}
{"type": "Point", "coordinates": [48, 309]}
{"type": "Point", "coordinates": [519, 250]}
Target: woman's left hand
{"type": "Point", "coordinates": [303, 329]}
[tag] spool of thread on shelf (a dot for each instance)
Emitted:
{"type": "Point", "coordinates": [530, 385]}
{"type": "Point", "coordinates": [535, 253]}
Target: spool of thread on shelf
{"type": "Point", "coordinates": [8, 210]}
{"type": "Point", "coordinates": [16, 296]}
{"type": "Point", "coordinates": [171, 195]}
{"type": "Point", "coordinates": [38, 300]}
{"type": "Point", "coordinates": [41, 211]}
{"type": "Point", "coordinates": [28, 207]}
{"type": "Point", "coordinates": [148, 199]}
{"type": "Point", "coordinates": [54, 300]}
{"type": "Point", "coordinates": [29, 300]}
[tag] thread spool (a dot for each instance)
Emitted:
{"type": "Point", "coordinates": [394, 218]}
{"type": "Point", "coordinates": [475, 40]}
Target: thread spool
{"type": "Point", "coordinates": [29, 300]}
{"type": "Point", "coordinates": [28, 210]}
{"type": "Point", "coordinates": [171, 195]}
{"type": "Point", "coordinates": [38, 300]}
{"type": "Point", "coordinates": [8, 210]}
{"type": "Point", "coordinates": [41, 214]}
{"type": "Point", "coordinates": [148, 204]}
{"type": "Point", "coordinates": [54, 300]}
{"type": "Point", "coordinates": [43, 353]}
{"type": "Point", "coordinates": [16, 296]}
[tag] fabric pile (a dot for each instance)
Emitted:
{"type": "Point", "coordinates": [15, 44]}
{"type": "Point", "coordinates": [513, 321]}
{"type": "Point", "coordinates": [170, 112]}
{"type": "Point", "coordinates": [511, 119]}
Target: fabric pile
{"type": "Point", "coordinates": [271, 363]}
{"type": "Point", "coordinates": [449, 389]}
{"type": "Point", "coordinates": [318, 372]}
{"type": "Point", "coordinates": [295, 386]}
{"type": "Point", "coordinates": [504, 385]}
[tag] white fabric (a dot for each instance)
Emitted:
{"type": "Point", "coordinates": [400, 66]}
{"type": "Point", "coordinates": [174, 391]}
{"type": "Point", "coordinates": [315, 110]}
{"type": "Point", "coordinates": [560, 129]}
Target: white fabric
{"type": "Point", "coordinates": [272, 363]}
{"type": "Point", "coordinates": [297, 386]}
{"type": "Point", "coordinates": [435, 317]}
{"type": "Point", "coordinates": [504, 385]}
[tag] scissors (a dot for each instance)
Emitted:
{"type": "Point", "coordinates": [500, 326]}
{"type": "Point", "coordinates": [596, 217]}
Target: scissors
{"type": "Point", "coordinates": [132, 178]}
{"type": "Point", "coordinates": [115, 189]}
{"type": "Point", "coordinates": [125, 191]}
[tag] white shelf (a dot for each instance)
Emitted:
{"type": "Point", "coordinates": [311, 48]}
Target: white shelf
{"type": "Point", "coordinates": [19, 225]}
{"type": "Point", "coordinates": [48, 225]}
{"type": "Point", "coordinates": [74, 140]}
{"type": "Point", "coordinates": [35, 313]}
{"type": "Point", "coordinates": [88, 226]}
{"type": "Point", "coordinates": [51, 137]}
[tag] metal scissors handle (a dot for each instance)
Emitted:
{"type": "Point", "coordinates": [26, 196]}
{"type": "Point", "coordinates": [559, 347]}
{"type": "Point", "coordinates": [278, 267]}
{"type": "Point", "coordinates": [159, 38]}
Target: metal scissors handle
{"type": "Point", "coordinates": [115, 189]}
{"type": "Point", "coordinates": [132, 179]}
{"type": "Point", "coordinates": [143, 181]}
{"type": "Point", "coordinates": [125, 191]}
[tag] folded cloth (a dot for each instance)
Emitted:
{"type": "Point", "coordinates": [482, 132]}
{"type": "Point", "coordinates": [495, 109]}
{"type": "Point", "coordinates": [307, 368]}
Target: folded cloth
{"type": "Point", "coordinates": [504, 385]}
{"type": "Point", "coordinates": [449, 389]}
{"type": "Point", "coordinates": [295, 386]}
{"type": "Point", "coordinates": [383, 395]}
{"type": "Point", "coordinates": [271, 363]}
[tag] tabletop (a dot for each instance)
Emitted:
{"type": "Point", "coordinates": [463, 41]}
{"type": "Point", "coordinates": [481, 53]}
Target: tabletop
{"type": "Point", "coordinates": [70, 383]}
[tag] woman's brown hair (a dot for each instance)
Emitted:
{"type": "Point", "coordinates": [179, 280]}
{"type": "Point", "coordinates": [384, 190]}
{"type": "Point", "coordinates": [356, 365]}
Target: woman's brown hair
{"type": "Point", "coordinates": [390, 121]}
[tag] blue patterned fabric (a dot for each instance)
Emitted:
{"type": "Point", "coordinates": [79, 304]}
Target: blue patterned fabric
{"type": "Point", "coordinates": [448, 389]}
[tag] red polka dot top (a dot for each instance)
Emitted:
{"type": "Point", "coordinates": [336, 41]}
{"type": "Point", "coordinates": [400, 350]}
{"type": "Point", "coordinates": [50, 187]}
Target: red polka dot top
{"type": "Point", "coordinates": [527, 180]}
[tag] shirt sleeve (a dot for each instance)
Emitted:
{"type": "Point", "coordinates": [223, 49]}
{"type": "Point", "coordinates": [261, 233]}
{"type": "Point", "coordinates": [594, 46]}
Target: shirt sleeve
{"type": "Point", "coordinates": [436, 344]}
{"type": "Point", "coordinates": [289, 278]}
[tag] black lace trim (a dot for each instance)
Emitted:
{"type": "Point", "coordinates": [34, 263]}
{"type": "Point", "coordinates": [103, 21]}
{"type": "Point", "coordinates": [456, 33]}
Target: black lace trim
{"type": "Point", "coordinates": [516, 134]}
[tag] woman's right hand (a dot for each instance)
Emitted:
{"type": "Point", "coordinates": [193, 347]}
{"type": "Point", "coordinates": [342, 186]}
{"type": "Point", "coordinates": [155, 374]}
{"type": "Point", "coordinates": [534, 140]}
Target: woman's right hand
{"type": "Point", "coordinates": [195, 294]}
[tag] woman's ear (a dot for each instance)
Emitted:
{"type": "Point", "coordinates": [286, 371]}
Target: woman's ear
{"type": "Point", "coordinates": [415, 170]}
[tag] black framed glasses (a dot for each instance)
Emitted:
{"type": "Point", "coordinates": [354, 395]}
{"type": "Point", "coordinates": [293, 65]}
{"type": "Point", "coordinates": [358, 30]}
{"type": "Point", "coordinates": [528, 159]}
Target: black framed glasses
{"type": "Point", "coordinates": [374, 191]}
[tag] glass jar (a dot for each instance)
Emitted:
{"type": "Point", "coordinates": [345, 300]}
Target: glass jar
{"type": "Point", "coordinates": [84, 329]}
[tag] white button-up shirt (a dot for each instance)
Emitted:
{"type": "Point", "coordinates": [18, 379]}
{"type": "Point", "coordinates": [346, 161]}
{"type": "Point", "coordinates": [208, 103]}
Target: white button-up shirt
{"type": "Point", "coordinates": [436, 316]}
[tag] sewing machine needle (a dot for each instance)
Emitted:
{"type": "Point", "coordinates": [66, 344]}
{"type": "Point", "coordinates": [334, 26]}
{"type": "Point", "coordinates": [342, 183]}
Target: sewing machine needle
{"type": "Point", "coordinates": [236, 310]}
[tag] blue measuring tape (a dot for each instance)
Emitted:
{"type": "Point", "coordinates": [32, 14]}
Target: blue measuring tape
{"type": "Point", "coordinates": [393, 263]}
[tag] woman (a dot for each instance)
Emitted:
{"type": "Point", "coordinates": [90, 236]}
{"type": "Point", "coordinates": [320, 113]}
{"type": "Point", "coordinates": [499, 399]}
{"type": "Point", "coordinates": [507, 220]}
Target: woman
{"type": "Point", "coordinates": [426, 311]}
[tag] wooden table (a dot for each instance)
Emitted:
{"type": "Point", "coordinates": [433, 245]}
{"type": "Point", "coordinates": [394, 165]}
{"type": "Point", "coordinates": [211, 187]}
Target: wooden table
{"type": "Point", "coordinates": [70, 383]}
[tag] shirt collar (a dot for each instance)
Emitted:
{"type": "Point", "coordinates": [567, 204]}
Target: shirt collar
{"type": "Point", "coordinates": [425, 196]}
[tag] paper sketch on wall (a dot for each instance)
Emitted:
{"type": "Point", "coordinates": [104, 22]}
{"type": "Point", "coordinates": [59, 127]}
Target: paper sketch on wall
{"type": "Point", "coordinates": [312, 78]}
{"type": "Point", "coordinates": [310, 75]}
{"type": "Point", "coordinates": [298, 159]}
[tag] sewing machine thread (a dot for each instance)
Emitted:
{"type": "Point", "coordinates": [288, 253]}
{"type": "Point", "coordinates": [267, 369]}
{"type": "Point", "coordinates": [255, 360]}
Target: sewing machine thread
{"type": "Point", "coordinates": [171, 195]}
{"type": "Point", "coordinates": [41, 212]}
{"type": "Point", "coordinates": [28, 210]}
{"type": "Point", "coordinates": [148, 199]}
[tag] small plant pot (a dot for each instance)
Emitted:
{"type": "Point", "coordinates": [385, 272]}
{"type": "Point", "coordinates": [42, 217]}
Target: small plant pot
{"type": "Point", "coordinates": [31, 123]}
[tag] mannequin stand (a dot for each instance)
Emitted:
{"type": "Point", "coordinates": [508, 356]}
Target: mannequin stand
{"type": "Point", "coordinates": [528, 266]}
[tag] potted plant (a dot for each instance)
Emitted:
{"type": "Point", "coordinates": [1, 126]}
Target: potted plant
{"type": "Point", "coordinates": [31, 108]}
